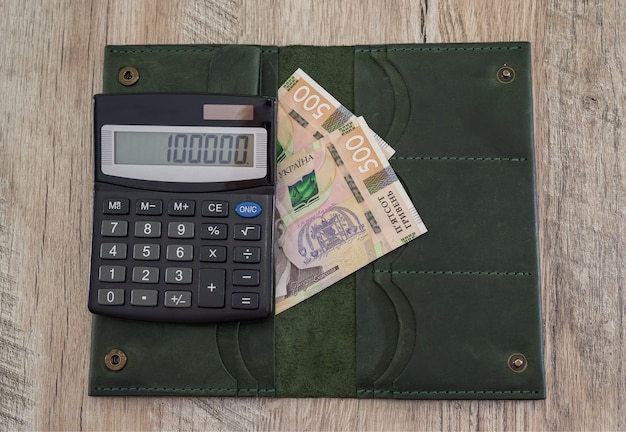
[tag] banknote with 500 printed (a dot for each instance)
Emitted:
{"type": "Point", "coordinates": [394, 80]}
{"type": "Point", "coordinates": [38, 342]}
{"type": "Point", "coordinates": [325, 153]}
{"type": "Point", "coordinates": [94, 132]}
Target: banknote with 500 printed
{"type": "Point", "coordinates": [307, 113]}
{"type": "Point", "coordinates": [340, 206]}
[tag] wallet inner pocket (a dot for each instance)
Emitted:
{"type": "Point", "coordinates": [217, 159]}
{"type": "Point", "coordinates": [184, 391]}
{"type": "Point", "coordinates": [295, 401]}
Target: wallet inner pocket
{"type": "Point", "coordinates": [462, 330]}
{"type": "Point", "coordinates": [158, 359]}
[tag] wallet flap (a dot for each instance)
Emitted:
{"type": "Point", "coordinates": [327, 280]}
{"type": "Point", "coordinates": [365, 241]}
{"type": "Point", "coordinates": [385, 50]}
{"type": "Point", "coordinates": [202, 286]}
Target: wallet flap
{"type": "Point", "coordinates": [464, 297]}
{"type": "Point", "coordinates": [225, 359]}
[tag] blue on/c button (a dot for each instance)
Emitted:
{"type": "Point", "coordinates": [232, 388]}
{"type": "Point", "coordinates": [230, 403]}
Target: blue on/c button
{"type": "Point", "coordinates": [248, 209]}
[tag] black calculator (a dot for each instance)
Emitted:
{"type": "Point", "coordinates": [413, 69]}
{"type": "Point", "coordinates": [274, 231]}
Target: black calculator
{"type": "Point", "coordinates": [183, 210]}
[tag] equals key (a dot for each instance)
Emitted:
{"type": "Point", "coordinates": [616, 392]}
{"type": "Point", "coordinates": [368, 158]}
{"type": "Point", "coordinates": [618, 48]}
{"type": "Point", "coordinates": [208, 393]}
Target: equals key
{"type": "Point", "coordinates": [245, 301]}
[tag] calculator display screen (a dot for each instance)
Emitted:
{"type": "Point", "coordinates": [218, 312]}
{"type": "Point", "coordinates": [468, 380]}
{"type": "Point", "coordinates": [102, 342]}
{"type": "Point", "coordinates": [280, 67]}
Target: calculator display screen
{"type": "Point", "coordinates": [198, 154]}
{"type": "Point", "coordinates": [234, 150]}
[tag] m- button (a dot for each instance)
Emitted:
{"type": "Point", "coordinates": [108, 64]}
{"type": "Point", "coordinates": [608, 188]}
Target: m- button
{"type": "Point", "coordinates": [215, 208]}
{"type": "Point", "coordinates": [149, 207]}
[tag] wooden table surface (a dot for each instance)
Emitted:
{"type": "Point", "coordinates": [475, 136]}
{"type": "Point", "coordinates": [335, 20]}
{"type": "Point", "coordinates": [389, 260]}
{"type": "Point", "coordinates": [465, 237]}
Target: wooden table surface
{"type": "Point", "coordinates": [50, 65]}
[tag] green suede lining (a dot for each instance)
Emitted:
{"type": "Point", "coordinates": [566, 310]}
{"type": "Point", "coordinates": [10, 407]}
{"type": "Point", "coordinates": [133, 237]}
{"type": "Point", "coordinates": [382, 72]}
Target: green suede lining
{"type": "Point", "coordinates": [315, 340]}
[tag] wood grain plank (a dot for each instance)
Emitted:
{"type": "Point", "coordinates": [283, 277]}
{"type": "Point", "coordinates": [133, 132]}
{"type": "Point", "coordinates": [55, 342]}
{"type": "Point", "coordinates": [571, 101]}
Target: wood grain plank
{"type": "Point", "coordinates": [292, 22]}
{"type": "Point", "coordinates": [16, 396]}
{"type": "Point", "coordinates": [210, 22]}
{"type": "Point", "coordinates": [51, 205]}
{"type": "Point", "coordinates": [583, 196]}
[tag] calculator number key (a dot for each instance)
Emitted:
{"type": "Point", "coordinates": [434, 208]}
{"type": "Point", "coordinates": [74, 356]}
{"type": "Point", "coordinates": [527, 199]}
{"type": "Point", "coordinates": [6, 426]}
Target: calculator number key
{"type": "Point", "coordinates": [178, 275]}
{"type": "Point", "coordinates": [146, 252]}
{"type": "Point", "coordinates": [112, 297]}
{"type": "Point", "coordinates": [179, 253]}
{"type": "Point", "coordinates": [180, 230]}
{"type": "Point", "coordinates": [214, 231]}
{"type": "Point", "coordinates": [147, 229]}
{"type": "Point", "coordinates": [146, 275]}
{"type": "Point", "coordinates": [113, 251]}
{"type": "Point", "coordinates": [112, 274]}
{"type": "Point", "coordinates": [114, 228]}
{"type": "Point", "coordinates": [247, 232]}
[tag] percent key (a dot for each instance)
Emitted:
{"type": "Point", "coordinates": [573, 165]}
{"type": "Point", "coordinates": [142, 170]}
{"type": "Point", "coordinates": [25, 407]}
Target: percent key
{"type": "Point", "coordinates": [214, 231]}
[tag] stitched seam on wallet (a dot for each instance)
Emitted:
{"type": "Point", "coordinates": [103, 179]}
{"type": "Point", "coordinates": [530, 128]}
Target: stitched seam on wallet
{"type": "Point", "coordinates": [450, 272]}
{"type": "Point", "coordinates": [174, 50]}
{"type": "Point", "coordinates": [459, 392]}
{"type": "Point", "coordinates": [142, 51]}
{"type": "Point", "coordinates": [264, 390]}
{"type": "Point", "coordinates": [460, 158]}
{"type": "Point", "coordinates": [478, 48]}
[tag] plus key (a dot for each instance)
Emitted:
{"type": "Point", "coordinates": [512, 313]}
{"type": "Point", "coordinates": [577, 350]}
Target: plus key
{"type": "Point", "coordinates": [211, 283]}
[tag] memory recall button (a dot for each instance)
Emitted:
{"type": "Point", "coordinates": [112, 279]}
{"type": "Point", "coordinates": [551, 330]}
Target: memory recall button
{"type": "Point", "coordinates": [116, 206]}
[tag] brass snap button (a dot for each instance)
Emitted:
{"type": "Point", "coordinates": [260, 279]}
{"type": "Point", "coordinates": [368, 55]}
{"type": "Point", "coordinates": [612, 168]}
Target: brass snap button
{"type": "Point", "coordinates": [115, 359]}
{"type": "Point", "coordinates": [517, 362]}
{"type": "Point", "coordinates": [128, 76]}
{"type": "Point", "coordinates": [505, 74]}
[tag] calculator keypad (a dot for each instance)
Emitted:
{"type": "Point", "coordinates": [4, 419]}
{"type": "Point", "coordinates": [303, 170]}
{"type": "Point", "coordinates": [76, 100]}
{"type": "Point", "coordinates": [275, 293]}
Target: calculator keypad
{"type": "Point", "coordinates": [182, 258]}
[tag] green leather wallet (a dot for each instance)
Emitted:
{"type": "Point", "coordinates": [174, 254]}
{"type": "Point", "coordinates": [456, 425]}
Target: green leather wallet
{"type": "Point", "coordinates": [454, 314]}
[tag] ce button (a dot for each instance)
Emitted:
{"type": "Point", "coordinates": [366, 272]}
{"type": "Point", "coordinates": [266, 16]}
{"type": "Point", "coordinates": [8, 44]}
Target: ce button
{"type": "Point", "coordinates": [215, 208]}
